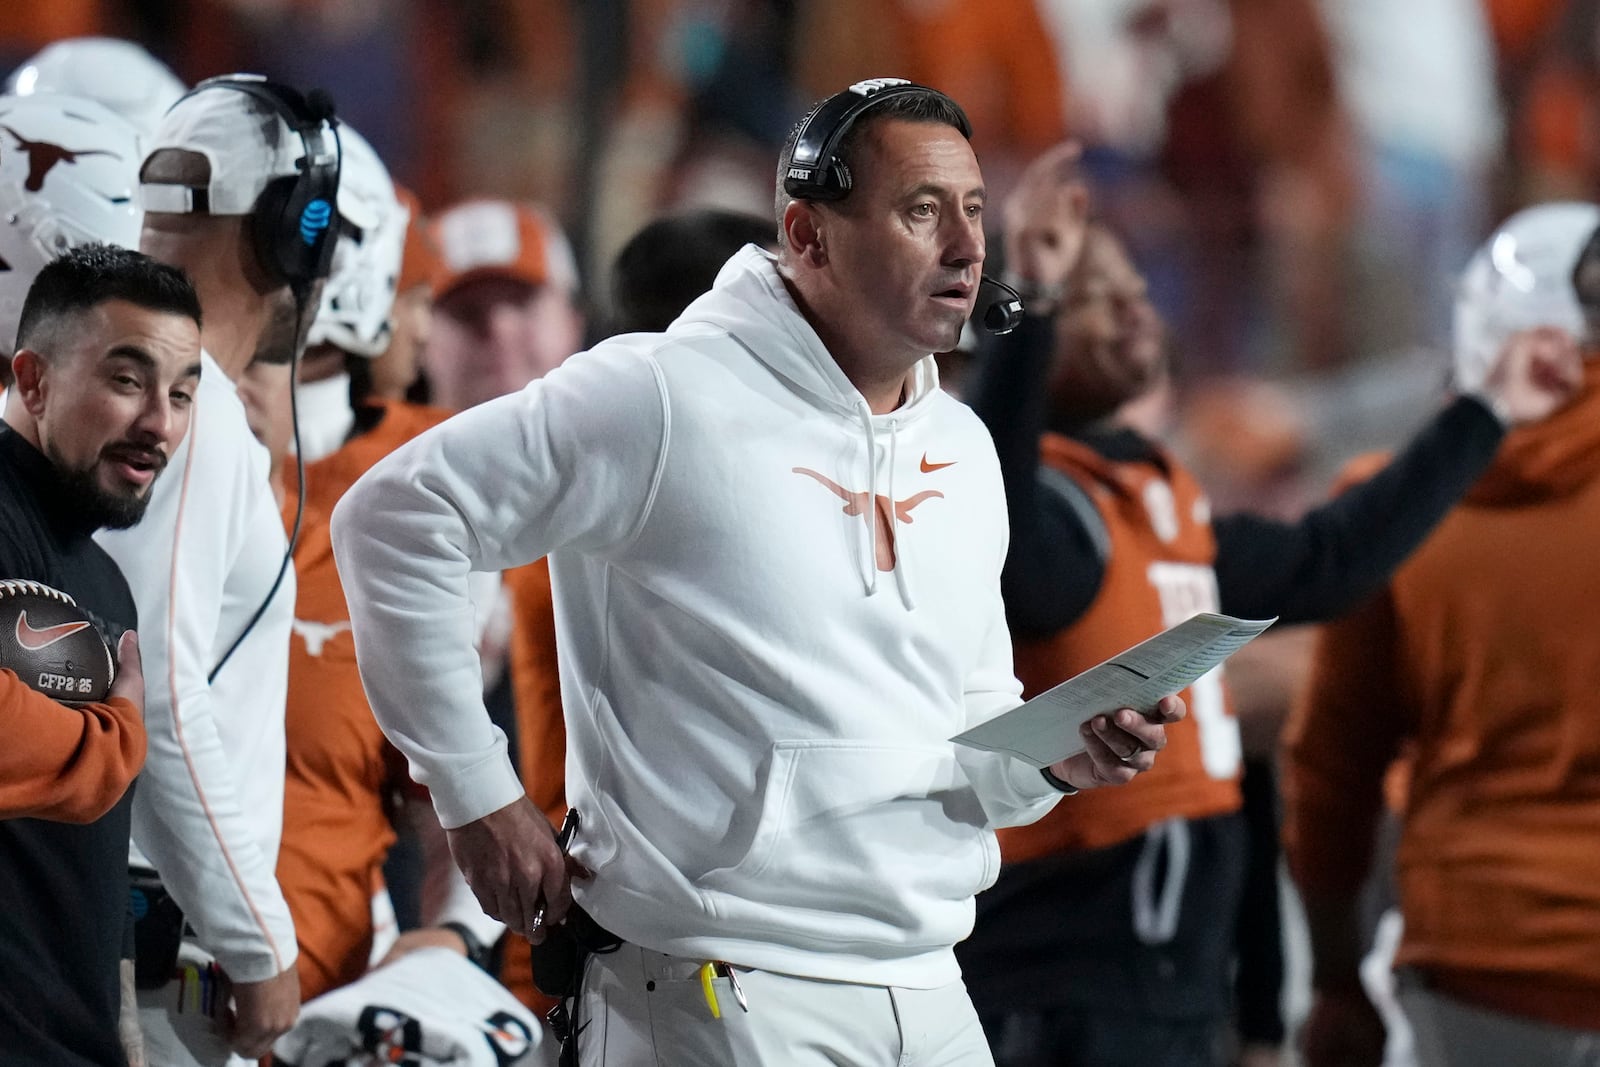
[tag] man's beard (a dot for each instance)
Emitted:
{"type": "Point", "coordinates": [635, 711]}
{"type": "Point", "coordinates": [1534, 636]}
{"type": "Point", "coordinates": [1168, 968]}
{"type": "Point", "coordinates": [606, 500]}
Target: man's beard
{"type": "Point", "coordinates": [283, 337]}
{"type": "Point", "coordinates": [99, 506]}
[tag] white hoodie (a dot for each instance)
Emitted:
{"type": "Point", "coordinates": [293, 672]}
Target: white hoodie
{"type": "Point", "coordinates": [757, 715]}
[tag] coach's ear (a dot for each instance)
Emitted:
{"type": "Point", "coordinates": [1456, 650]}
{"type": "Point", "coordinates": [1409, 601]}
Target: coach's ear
{"type": "Point", "coordinates": [30, 371]}
{"type": "Point", "coordinates": [802, 233]}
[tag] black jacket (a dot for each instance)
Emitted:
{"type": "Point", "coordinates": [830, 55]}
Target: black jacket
{"type": "Point", "coordinates": [63, 888]}
{"type": "Point", "coordinates": [1307, 571]}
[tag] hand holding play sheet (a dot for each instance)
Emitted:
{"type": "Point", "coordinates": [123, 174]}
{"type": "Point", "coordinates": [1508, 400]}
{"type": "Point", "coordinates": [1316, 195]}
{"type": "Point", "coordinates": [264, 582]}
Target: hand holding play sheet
{"type": "Point", "coordinates": [1045, 730]}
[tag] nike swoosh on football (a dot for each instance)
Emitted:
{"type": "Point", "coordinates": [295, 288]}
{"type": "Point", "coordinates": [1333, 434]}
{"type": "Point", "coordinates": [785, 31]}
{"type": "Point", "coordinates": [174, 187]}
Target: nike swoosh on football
{"type": "Point", "coordinates": [929, 468]}
{"type": "Point", "coordinates": [36, 638]}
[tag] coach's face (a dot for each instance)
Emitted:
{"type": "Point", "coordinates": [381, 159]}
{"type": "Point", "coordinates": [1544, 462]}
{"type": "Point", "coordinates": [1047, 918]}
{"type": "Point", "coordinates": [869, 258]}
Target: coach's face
{"type": "Point", "coordinates": [111, 402]}
{"type": "Point", "coordinates": [906, 246]}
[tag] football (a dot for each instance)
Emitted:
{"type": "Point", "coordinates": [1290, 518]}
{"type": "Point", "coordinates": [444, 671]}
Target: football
{"type": "Point", "coordinates": [52, 644]}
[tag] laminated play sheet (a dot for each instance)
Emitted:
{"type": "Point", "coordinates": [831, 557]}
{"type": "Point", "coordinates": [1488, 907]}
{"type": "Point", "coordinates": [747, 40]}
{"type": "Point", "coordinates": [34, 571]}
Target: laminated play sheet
{"type": "Point", "coordinates": [1045, 729]}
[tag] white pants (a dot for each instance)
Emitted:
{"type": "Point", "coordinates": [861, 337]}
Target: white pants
{"type": "Point", "coordinates": [182, 1021]}
{"type": "Point", "coordinates": [1452, 1034]}
{"type": "Point", "coordinates": [641, 1008]}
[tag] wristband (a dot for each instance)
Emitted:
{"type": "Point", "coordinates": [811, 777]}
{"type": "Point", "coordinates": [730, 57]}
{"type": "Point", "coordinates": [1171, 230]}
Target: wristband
{"type": "Point", "coordinates": [1059, 785]}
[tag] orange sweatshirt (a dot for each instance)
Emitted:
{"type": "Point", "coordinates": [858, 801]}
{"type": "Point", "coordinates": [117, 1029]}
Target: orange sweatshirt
{"type": "Point", "coordinates": [1482, 653]}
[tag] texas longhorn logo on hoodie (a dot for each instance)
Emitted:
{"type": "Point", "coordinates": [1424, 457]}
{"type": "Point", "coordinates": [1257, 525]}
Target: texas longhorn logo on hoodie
{"type": "Point", "coordinates": [855, 503]}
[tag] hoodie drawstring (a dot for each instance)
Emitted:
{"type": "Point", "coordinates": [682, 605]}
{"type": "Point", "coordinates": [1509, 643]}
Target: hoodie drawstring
{"type": "Point", "coordinates": [1156, 911]}
{"type": "Point", "coordinates": [869, 575]}
{"type": "Point", "coordinates": [902, 575]}
{"type": "Point", "coordinates": [870, 558]}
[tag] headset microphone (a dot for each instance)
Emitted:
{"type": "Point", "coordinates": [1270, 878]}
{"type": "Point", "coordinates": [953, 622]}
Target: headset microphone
{"type": "Point", "coordinates": [1001, 304]}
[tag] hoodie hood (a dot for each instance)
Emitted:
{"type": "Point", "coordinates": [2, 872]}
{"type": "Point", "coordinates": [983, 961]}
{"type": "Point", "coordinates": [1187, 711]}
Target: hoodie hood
{"type": "Point", "coordinates": [751, 302]}
{"type": "Point", "coordinates": [1548, 459]}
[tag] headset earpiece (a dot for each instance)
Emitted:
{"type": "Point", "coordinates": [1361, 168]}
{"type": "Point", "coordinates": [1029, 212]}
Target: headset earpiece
{"type": "Point", "coordinates": [814, 170]}
{"type": "Point", "coordinates": [292, 222]}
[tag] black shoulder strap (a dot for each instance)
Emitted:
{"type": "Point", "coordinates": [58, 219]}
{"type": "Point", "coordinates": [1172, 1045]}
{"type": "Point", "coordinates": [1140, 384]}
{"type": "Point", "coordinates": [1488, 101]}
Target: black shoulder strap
{"type": "Point", "coordinates": [1065, 490]}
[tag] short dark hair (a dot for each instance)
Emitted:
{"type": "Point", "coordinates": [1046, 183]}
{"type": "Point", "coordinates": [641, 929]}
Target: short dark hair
{"type": "Point", "coordinates": [924, 105]}
{"type": "Point", "coordinates": [90, 275]}
{"type": "Point", "coordinates": [672, 261]}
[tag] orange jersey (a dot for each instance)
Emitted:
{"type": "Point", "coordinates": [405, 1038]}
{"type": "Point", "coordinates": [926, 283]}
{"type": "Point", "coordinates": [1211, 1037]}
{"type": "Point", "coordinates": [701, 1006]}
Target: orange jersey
{"type": "Point", "coordinates": [536, 683]}
{"type": "Point", "coordinates": [1158, 573]}
{"type": "Point", "coordinates": [341, 769]}
{"type": "Point", "coordinates": [1481, 653]}
{"type": "Point", "coordinates": [329, 477]}
{"type": "Point", "coordinates": [31, 24]}
{"type": "Point", "coordinates": [996, 59]}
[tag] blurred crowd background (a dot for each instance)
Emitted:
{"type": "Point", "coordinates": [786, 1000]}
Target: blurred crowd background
{"type": "Point", "coordinates": [1299, 179]}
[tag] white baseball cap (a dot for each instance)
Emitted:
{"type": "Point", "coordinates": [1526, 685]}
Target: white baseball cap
{"type": "Point", "coordinates": [247, 144]}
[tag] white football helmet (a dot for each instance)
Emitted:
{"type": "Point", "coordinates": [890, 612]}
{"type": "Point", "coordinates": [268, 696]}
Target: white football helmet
{"type": "Point", "coordinates": [113, 72]}
{"type": "Point", "coordinates": [1528, 275]}
{"type": "Point", "coordinates": [69, 175]}
{"type": "Point", "coordinates": [358, 299]}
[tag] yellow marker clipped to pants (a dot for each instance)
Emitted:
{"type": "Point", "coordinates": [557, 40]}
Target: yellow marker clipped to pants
{"type": "Point", "coordinates": [707, 973]}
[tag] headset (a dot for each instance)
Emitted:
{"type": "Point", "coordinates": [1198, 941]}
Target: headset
{"type": "Point", "coordinates": [815, 171]}
{"type": "Point", "coordinates": [292, 226]}
{"type": "Point", "coordinates": [292, 222]}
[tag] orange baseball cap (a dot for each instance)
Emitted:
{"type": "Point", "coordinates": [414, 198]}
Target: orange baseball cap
{"type": "Point", "coordinates": [420, 263]}
{"type": "Point", "coordinates": [502, 238]}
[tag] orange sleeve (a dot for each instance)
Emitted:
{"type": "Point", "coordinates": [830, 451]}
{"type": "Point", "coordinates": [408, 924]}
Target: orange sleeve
{"type": "Point", "coordinates": [1340, 740]}
{"type": "Point", "coordinates": [847, 41]}
{"type": "Point", "coordinates": [536, 689]}
{"type": "Point", "coordinates": [64, 763]}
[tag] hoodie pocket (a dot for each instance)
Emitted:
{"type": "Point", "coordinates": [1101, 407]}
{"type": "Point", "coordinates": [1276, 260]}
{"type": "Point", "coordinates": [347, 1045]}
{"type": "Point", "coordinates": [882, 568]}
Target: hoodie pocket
{"type": "Point", "coordinates": [891, 832]}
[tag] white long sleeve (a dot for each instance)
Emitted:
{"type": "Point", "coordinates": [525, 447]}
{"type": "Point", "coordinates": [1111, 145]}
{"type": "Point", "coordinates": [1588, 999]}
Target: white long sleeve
{"type": "Point", "coordinates": [209, 806]}
{"type": "Point", "coordinates": [492, 488]}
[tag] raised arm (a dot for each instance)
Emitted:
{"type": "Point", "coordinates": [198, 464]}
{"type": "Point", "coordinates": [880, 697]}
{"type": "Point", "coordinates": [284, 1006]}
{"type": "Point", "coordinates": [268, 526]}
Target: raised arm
{"type": "Point", "coordinates": [1054, 568]}
{"type": "Point", "coordinates": [1343, 551]}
